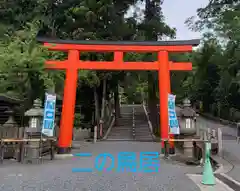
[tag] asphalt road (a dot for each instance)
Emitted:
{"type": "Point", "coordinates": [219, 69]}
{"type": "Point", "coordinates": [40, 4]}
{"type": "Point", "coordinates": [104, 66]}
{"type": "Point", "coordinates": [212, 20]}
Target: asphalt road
{"type": "Point", "coordinates": [231, 150]}
{"type": "Point", "coordinates": [229, 133]}
{"type": "Point", "coordinates": [58, 176]}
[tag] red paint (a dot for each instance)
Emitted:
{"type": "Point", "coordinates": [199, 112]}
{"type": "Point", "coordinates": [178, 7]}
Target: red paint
{"type": "Point", "coordinates": [69, 98]}
{"type": "Point", "coordinates": [118, 65]}
{"type": "Point", "coordinates": [73, 64]}
{"type": "Point", "coordinates": [164, 84]}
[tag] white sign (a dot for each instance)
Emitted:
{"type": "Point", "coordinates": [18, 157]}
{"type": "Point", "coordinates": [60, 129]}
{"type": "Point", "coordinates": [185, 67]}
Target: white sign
{"type": "Point", "coordinates": [172, 117]}
{"type": "Point", "coordinates": [49, 115]}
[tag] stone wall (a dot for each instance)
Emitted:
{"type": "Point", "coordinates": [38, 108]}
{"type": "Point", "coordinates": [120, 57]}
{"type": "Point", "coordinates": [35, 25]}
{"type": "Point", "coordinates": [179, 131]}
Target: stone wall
{"type": "Point", "coordinates": [81, 134]}
{"type": "Point", "coordinates": [78, 133]}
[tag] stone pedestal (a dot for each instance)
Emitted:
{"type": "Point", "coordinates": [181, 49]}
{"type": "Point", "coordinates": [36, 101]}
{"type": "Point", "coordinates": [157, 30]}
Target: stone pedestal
{"type": "Point", "coordinates": [188, 149]}
{"type": "Point", "coordinates": [32, 149]}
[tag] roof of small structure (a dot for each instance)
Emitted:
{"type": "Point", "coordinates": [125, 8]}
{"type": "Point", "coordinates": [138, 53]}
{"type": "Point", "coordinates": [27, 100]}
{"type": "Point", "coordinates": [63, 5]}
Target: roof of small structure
{"type": "Point", "coordinates": [9, 99]}
{"type": "Point", "coordinates": [187, 112]}
{"type": "Point", "coordinates": [193, 42]}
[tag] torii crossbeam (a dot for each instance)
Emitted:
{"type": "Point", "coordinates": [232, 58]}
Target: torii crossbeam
{"type": "Point", "coordinates": [73, 64]}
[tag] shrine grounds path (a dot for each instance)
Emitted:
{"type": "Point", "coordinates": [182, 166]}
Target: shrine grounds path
{"type": "Point", "coordinates": [57, 175]}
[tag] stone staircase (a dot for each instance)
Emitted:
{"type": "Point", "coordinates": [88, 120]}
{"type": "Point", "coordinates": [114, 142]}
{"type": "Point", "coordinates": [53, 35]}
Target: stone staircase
{"type": "Point", "coordinates": [132, 126]}
{"type": "Point", "coordinates": [142, 130]}
{"type": "Point", "coordinates": [123, 131]}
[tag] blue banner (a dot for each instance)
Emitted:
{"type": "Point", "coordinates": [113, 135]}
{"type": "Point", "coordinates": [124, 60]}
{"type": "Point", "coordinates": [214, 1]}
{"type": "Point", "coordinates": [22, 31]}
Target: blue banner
{"type": "Point", "coordinates": [172, 117]}
{"type": "Point", "coordinates": [49, 115]}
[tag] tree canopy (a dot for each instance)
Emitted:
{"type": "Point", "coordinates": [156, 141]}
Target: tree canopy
{"type": "Point", "coordinates": [214, 81]}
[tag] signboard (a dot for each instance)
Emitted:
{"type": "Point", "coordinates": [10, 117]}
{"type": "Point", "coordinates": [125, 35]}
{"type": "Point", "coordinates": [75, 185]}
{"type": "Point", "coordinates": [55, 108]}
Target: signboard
{"type": "Point", "coordinates": [172, 117]}
{"type": "Point", "coordinates": [49, 115]}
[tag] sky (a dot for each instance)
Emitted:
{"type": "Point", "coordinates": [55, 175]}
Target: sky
{"type": "Point", "coordinates": [177, 11]}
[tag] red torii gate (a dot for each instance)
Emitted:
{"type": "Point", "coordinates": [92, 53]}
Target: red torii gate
{"type": "Point", "coordinates": [73, 64]}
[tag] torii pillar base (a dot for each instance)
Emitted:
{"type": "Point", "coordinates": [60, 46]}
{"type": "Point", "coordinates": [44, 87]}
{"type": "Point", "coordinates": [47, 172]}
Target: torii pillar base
{"type": "Point", "coordinates": [64, 150]}
{"type": "Point", "coordinates": [172, 151]}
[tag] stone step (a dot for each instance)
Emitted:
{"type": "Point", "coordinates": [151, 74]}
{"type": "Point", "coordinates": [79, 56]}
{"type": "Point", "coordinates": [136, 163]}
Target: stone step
{"type": "Point", "coordinates": [123, 136]}
{"type": "Point", "coordinates": [126, 134]}
{"type": "Point", "coordinates": [120, 129]}
{"type": "Point", "coordinates": [142, 133]}
{"type": "Point", "coordinates": [146, 136]}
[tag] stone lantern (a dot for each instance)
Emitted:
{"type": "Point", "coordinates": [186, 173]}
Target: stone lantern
{"type": "Point", "coordinates": [10, 126]}
{"type": "Point", "coordinates": [187, 119]}
{"type": "Point", "coordinates": [10, 131]}
{"type": "Point", "coordinates": [187, 124]}
{"type": "Point", "coordinates": [35, 115]}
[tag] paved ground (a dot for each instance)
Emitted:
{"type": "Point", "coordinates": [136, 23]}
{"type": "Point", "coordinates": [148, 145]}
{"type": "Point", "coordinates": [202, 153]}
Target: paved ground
{"type": "Point", "coordinates": [58, 176]}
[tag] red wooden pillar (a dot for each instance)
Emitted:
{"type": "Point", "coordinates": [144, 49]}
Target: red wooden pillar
{"type": "Point", "coordinates": [164, 87]}
{"type": "Point", "coordinates": [69, 99]}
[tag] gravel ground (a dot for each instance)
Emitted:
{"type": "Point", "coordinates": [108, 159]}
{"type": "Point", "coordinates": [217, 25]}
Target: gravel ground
{"type": "Point", "coordinates": [57, 175]}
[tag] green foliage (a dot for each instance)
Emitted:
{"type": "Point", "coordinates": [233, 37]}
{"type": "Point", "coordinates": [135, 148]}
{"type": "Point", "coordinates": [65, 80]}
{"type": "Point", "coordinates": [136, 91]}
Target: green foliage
{"type": "Point", "coordinates": [77, 120]}
{"type": "Point", "coordinates": [216, 78]}
{"type": "Point", "coordinates": [21, 62]}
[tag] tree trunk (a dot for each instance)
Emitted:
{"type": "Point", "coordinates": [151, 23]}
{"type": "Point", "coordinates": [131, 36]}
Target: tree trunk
{"type": "Point", "coordinates": [117, 104]}
{"type": "Point", "coordinates": [96, 105]}
{"type": "Point", "coordinates": [152, 103]}
{"type": "Point", "coordinates": [103, 98]}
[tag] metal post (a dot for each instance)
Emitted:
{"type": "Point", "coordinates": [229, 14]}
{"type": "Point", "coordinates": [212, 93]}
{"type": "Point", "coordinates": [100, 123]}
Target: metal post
{"type": "Point", "coordinates": [205, 138]}
{"type": "Point", "coordinates": [238, 133]}
{"type": "Point", "coordinates": [133, 124]}
{"type": "Point", "coordinates": [95, 134]}
{"type": "Point", "coordinates": [220, 142]}
{"type": "Point", "coordinates": [101, 128]}
{"type": "Point", "coordinates": [205, 135]}
{"type": "Point", "coordinates": [209, 134]}
{"type": "Point", "coordinates": [166, 149]}
{"type": "Point", "coordinates": [2, 149]}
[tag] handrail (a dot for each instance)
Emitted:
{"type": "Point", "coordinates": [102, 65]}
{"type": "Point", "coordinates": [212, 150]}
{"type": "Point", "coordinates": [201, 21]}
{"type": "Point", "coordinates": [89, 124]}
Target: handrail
{"type": "Point", "coordinates": [109, 128]}
{"type": "Point", "coordinates": [110, 122]}
{"type": "Point", "coordinates": [148, 119]}
{"type": "Point", "coordinates": [133, 122]}
{"type": "Point", "coordinates": [107, 120]}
